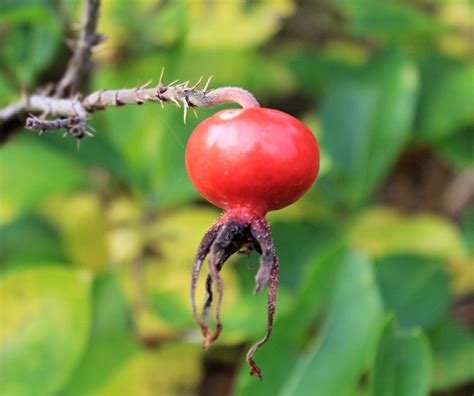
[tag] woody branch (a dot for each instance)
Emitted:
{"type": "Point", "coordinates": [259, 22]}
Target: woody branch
{"type": "Point", "coordinates": [44, 111]}
{"type": "Point", "coordinates": [182, 95]}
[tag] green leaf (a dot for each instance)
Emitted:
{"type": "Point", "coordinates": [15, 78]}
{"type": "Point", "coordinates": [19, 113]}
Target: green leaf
{"type": "Point", "coordinates": [458, 148]}
{"type": "Point", "coordinates": [110, 311]}
{"type": "Point", "coordinates": [315, 71]}
{"type": "Point", "coordinates": [174, 368]}
{"type": "Point", "coordinates": [30, 172]}
{"type": "Point", "coordinates": [170, 182]}
{"type": "Point", "coordinates": [380, 231]}
{"type": "Point", "coordinates": [25, 11]}
{"type": "Point", "coordinates": [253, 23]}
{"type": "Point", "coordinates": [403, 364]}
{"type": "Point", "coordinates": [338, 357]}
{"type": "Point", "coordinates": [102, 360]}
{"type": "Point", "coordinates": [111, 344]}
{"type": "Point", "coordinates": [366, 120]}
{"type": "Point", "coordinates": [179, 233]}
{"type": "Point", "coordinates": [31, 40]}
{"type": "Point", "coordinates": [390, 21]}
{"type": "Point", "coordinates": [7, 91]}
{"type": "Point", "coordinates": [280, 354]}
{"type": "Point", "coordinates": [45, 320]}
{"type": "Point", "coordinates": [415, 288]}
{"type": "Point", "coordinates": [292, 248]}
{"type": "Point", "coordinates": [446, 100]}
{"type": "Point", "coordinates": [453, 350]}
{"type": "Point", "coordinates": [468, 227]}
{"type": "Point", "coordinates": [98, 154]}
{"type": "Point", "coordinates": [29, 238]}
{"type": "Point", "coordinates": [82, 225]}
{"type": "Point", "coordinates": [301, 294]}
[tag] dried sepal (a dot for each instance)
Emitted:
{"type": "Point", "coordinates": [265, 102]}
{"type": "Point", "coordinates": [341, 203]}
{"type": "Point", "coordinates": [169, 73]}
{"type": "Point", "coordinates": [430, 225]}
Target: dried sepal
{"type": "Point", "coordinates": [229, 235]}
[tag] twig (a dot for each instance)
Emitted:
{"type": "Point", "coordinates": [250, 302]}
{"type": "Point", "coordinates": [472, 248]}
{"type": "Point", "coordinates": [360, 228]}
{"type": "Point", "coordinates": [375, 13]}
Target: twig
{"type": "Point", "coordinates": [459, 193]}
{"type": "Point", "coordinates": [72, 113]}
{"type": "Point", "coordinates": [75, 109]}
{"type": "Point", "coordinates": [80, 63]}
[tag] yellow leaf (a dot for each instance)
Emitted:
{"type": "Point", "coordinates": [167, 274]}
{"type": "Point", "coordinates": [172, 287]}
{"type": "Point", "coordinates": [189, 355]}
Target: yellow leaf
{"type": "Point", "coordinates": [125, 244]}
{"type": "Point", "coordinates": [177, 236]}
{"type": "Point", "coordinates": [124, 211]}
{"type": "Point", "coordinates": [44, 311]}
{"type": "Point", "coordinates": [81, 223]}
{"type": "Point", "coordinates": [156, 278]}
{"type": "Point", "coordinates": [174, 369]}
{"type": "Point", "coordinates": [463, 275]}
{"type": "Point", "coordinates": [383, 231]}
{"type": "Point", "coordinates": [231, 24]}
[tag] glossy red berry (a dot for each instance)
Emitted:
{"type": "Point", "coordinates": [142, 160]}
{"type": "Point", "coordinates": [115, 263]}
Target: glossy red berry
{"type": "Point", "coordinates": [246, 161]}
{"type": "Point", "coordinates": [255, 158]}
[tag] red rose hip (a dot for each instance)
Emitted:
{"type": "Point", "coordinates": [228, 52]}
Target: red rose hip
{"type": "Point", "coordinates": [248, 162]}
{"type": "Point", "coordinates": [255, 158]}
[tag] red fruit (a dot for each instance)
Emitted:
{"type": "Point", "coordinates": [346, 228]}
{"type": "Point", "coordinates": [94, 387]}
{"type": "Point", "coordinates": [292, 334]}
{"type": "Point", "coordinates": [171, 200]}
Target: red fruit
{"type": "Point", "coordinates": [247, 161]}
{"type": "Point", "coordinates": [255, 158]}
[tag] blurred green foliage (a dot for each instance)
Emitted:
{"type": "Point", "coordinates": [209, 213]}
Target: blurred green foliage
{"type": "Point", "coordinates": [96, 245]}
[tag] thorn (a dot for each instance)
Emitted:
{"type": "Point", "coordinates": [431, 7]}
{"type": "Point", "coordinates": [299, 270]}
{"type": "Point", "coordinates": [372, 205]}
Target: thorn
{"type": "Point", "coordinates": [95, 49]}
{"type": "Point", "coordinates": [174, 82]}
{"type": "Point", "coordinates": [197, 84]}
{"type": "Point", "coordinates": [175, 102]}
{"type": "Point", "coordinates": [89, 134]}
{"type": "Point", "coordinates": [185, 113]}
{"type": "Point", "coordinates": [162, 74]}
{"type": "Point", "coordinates": [46, 90]}
{"type": "Point", "coordinates": [161, 103]}
{"type": "Point", "coordinates": [78, 145]}
{"type": "Point", "coordinates": [41, 132]}
{"type": "Point", "coordinates": [195, 112]}
{"type": "Point", "coordinates": [71, 43]}
{"type": "Point", "coordinates": [74, 108]}
{"type": "Point", "coordinates": [65, 134]}
{"type": "Point", "coordinates": [146, 85]}
{"type": "Point", "coordinates": [100, 38]}
{"type": "Point", "coordinates": [207, 83]}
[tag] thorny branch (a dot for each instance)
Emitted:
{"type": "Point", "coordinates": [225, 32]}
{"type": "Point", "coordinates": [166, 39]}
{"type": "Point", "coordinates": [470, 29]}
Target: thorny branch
{"type": "Point", "coordinates": [72, 114]}
{"type": "Point", "coordinates": [77, 109]}
{"type": "Point", "coordinates": [50, 112]}
{"type": "Point", "coordinates": [80, 63]}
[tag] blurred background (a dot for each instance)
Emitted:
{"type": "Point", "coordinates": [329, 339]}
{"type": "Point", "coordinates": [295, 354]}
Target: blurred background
{"type": "Point", "coordinates": [377, 276]}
